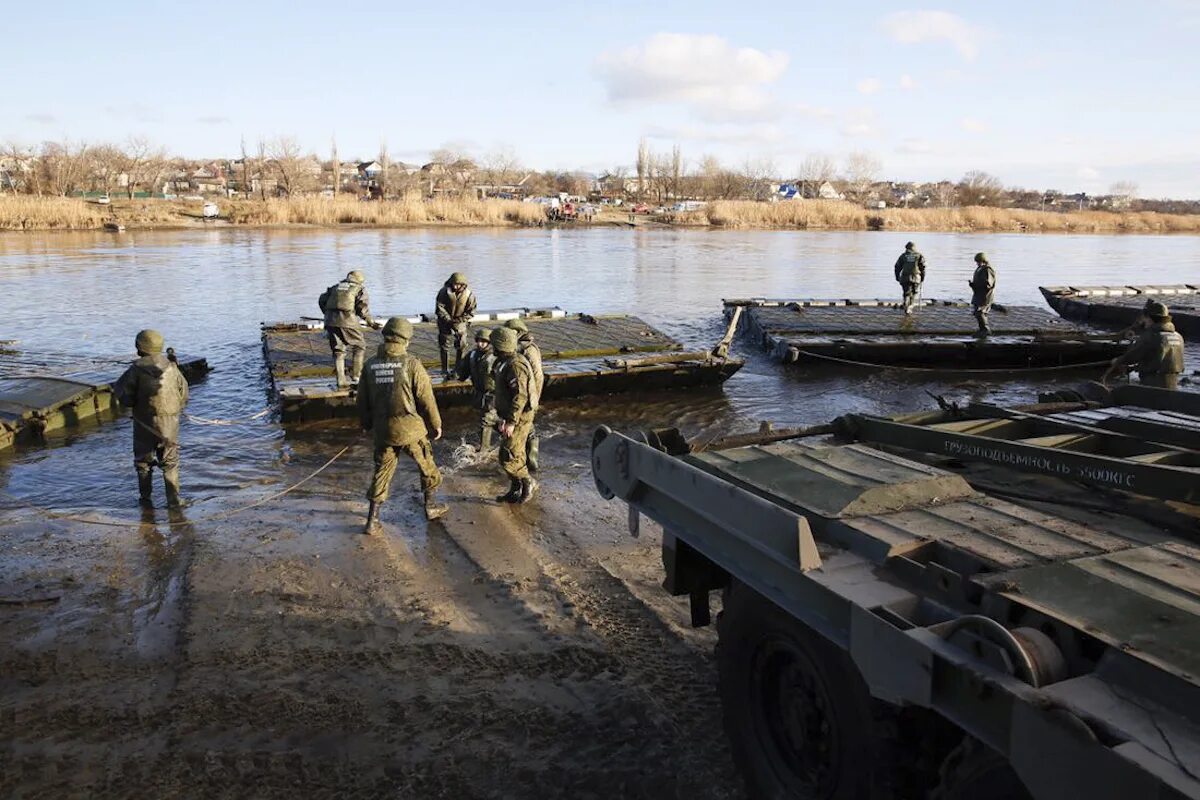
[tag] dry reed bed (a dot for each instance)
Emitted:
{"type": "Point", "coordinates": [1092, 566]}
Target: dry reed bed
{"type": "Point", "coordinates": [57, 213]}
{"type": "Point", "coordinates": [841, 215]}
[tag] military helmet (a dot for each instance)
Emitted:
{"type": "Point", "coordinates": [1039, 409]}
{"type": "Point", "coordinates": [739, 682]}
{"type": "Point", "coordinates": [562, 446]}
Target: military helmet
{"type": "Point", "coordinates": [1157, 310]}
{"type": "Point", "coordinates": [356, 276]}
{"type": "Point", "coordinates": [483, 335]}
{"type": "Point", "coordinates": [517, 325]}
{"type": "Point", "coordinates": [909, 246]}
{"type": "Point", "coordinates": [981, 258]}
{"type": "Point", "coordinates": [457, 277]}
{"type": "Point", "coordinates": [397, 329]}
{"type": "Point", "coordinates": [504, 340]}
{"type": "Point", "coordinates": [148, 342]}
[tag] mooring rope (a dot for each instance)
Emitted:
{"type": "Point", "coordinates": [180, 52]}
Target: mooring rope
{"type": "Point", "coordinates": [992, 371]}
{"type": "Point", "coordinates": [116, 523]}
{"type": "Point", "coordinates": [233, 421]}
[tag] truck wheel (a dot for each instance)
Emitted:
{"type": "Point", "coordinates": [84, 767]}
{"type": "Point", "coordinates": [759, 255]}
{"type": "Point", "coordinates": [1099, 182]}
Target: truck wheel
{"type": "Point", "coordinates": [797, 713]}
{"type": "Point", "coordinates": [974, 771]}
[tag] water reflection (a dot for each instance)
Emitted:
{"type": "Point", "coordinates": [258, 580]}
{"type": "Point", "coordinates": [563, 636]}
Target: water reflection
{"type": "Point", "coordinates": [209, 290]}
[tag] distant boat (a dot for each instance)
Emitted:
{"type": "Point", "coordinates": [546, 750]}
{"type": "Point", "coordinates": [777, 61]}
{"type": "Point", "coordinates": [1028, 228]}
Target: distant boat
{"type": "Point", "coordinates": [210, 211]}
{"type": "Point", "coordinates": [114, 227]}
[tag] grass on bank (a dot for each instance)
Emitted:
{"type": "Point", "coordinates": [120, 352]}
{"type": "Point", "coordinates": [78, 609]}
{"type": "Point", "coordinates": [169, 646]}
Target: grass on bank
{"type": "Point", "coordinates": [21, 212]}
{"type": "Point", "coordinates": [841, 215]}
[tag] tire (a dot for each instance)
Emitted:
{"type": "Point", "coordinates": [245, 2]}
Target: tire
{"type": "Point", "coordinates": [974, 771]}
{"type": "Point", "coordinates": [797, 713]}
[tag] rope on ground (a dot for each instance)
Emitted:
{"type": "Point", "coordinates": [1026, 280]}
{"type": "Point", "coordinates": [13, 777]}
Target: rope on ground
{"type": "Point", "coordinates": [992, 371]}
{"type": "Point", "coordinates": [233, 421]}
{"type": "Point", "coordinates": [117, 523]}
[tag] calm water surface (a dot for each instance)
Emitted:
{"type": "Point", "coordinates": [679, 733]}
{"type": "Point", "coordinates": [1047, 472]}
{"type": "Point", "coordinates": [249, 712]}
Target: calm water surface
{"type": "Point", "coordinates": [207, 291]}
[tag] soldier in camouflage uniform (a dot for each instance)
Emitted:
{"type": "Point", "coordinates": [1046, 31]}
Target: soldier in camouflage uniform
{"type": "Point", "coordinates": [395, 400]}
{"type": "Point", "coordinates": [1157, 355]}
{"type": "Point", "coordinates": [476, 366]}
{"type": "Point", "coordinates": [983, 290]}
{"type": "Point", "coordinates": [527, 347]}
{"type": "Point", "coordinates": [910, 274]}
{"type": "Point", "coordinates": [343, 304]}
{"type": "Point", "coordinates": [516, 406]}
{"type": "Point", "coordinates": [156, 391]}
{"type": "Point", "coordinates": [455, 308]}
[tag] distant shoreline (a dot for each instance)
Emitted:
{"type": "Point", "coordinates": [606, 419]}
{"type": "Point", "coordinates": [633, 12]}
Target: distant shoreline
{"type": "Point", "coordinates": [41, 214]}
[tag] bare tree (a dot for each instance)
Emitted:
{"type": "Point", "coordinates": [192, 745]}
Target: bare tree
{"type": "Point", "coordinates": [979, 188]}
{"type": "Point", "coordinates": [142, 164]}
{"type": "Point", "coordinates": [862, 170]}
{"type": "Point", "coordinates": [757, 175]}
{"type": "Point", "coordinates": [676, 171]}
{"type": "Point", "coordinates": [106, 165]}
{"type": "Point", "coordinates": [288, 163]}
{"type": "Point", "coordinates": [1124, 194]}
{"type": "Point", "coordinates": [63, 166]}
{"type": "Point", "coordinates": [643, 166]}
{"type": "Point", "coordinates": [814, 171]}
{"type": "Point", "coordinates": [500, 166]}
{"type": "Point", "coordinates": [18, 172]}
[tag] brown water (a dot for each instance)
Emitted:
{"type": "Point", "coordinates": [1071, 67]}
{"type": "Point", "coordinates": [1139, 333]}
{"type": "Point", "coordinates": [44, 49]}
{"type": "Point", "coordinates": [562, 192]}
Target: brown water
{"type": "Point", "coordinates": [207, 291]}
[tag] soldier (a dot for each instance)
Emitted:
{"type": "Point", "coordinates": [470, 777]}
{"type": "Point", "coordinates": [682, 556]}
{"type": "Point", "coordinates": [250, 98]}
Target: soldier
{"type": "Point", "coordinates": [533, 354]}
{"type": "Point", "coordinates": [516, 405]}
{"type": "Point", "coordinates": [395, 400]}
{"type": "Point", "coordinates": [477, 367]}
{"type": "Point", "coordinates": [910, 274]}
{"type": "Point", "coordinates": [157, 392]}
{"type": "Point", "coordinates": [343, 304]}
{"type": "Point", "coordinates": [455, 308]}
{"type": "Point", "coordinates": [1157, 355]}
{"type": "Point", "coordinates": [983, 290]}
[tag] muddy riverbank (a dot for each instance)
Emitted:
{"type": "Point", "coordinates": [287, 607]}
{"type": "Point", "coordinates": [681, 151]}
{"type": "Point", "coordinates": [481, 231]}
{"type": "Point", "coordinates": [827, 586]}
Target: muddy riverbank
{"type": "Point", "coordinates": [500, 652]}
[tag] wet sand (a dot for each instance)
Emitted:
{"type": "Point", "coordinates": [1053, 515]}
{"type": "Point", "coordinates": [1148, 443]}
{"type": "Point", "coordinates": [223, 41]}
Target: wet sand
{"type": "Point", "coordinates": [500, 652]}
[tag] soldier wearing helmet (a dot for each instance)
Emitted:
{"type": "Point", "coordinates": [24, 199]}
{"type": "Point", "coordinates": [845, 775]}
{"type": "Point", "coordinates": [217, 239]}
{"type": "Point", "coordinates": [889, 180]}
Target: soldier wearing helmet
{"type": "Point", "coordinates": [343, 305]}
{"type": "Point", "coordinates": [156, 391]}
{"type": "Point", "coordinates": [476, 366]}
{"type": "Point", "coordinates": [516, 406]}
{"type": "Point", "coordinates": [395, 402]}
{"type": "Point", "coordinates": [527, 347]}
{"type": "Point", "coordinates": [1157, 355]}
{"type": "Point", "coordinates": [910, 274]}
{"type": "Point", "coordinates": [983, 289]}
{"type": "Point", "coordinates": [455, 308]}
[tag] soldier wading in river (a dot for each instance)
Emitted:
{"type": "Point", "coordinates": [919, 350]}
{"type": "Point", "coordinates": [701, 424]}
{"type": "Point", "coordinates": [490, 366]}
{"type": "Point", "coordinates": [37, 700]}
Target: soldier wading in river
{"type": "Point", "coordinates": [455, 308]}
{"type": "Point", "coordinates": [516, 406]}
{"type": "Point", "coordinates": [983, 290]}
{"type": "Point", "coordinates": [343, 304]}
{"type": "Point", "coordinates": [527, 347]}
{"type": "Point", "coordinates": [1157, 355]}
{"type": "Point", "coordinates": [910, 274]}
{"type": "Point", "coordinates": [156, 391]}
{"type": "Point", "coordinates": [395, 401]}
{"type": "Point", "coordinates": [476, 366]}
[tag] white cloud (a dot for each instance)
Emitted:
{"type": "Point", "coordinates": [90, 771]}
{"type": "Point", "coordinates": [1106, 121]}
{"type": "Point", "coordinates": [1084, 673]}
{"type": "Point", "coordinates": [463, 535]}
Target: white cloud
{"type": "Point", "coordinates": [1087, 173]}
{"type": "Point", "coordinates": [42, 118]}
{"type": "Point", "coordinates": [869, 85]}
{"type": "Point", "coordinates": [914, 147]}
{"type": "Point", "coordinates": [816, 112]}
{"type": "Point", "coordinates": [907, 83]}
{"type": "Point", "coordinates": [973, 125]}
{"type": "Point", "coordinates": [916, 27]}
{"type": "Point", "coordinates": [757, 135]}
{"type": "Point", "coordinates": [859, 123]}
{"type": "Point", "coordinates": [717, 81]}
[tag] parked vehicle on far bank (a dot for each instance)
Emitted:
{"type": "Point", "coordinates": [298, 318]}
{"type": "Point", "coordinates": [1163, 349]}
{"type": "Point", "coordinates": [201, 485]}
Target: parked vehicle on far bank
{"type": "Point", "coordinates": [641, 208]}
{"type": "Point", "coordinates": [103, 200]}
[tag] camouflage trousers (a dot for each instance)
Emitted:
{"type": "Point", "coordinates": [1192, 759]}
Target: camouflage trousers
{"type": "Point", "coordinates": [386, 459]}
{"type": "Point", "coordinates": [911, 290]}
{"type": "Point", "coordinates": [513, 450]}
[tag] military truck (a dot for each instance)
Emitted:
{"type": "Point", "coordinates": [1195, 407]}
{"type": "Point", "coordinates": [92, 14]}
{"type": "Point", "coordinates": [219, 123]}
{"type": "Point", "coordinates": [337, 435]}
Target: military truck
{"type": "Point", "coordinates": [972, 602]}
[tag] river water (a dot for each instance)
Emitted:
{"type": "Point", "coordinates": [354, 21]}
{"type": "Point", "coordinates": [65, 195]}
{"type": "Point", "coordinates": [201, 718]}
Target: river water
{"type": "Point", "coordinates": [208, 290]}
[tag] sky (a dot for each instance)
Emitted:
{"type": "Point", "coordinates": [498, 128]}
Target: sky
{"type": "Point", "coordinates": [1075, 96]}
